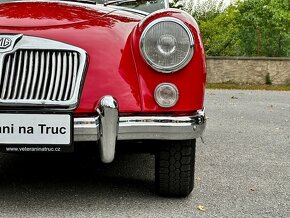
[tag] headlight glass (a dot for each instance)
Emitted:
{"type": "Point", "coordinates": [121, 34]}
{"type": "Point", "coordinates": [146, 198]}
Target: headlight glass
{"type": "Point", "coordinates": [166, 95]}
{"type": "Point", "coordinates": [167, 44]}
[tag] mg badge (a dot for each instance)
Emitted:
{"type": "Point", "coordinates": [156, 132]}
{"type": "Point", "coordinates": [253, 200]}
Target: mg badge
{"type": "Point", "coordinates": [5, 42]}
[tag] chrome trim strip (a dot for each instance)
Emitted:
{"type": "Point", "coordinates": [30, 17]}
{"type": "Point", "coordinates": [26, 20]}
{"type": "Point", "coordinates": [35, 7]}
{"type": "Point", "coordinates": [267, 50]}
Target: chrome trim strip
{"type": "Point", "coordinates": [142, 127]}
{"type": "Point", "coordinates": [161, 128]}
{"type": "Point", "coordinates": [29, 43]}
{"type": "Point", "coordinates": [86, 129]}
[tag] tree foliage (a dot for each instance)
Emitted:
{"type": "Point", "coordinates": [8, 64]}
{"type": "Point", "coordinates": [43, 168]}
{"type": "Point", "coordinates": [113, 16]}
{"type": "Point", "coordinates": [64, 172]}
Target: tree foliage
{"type": "Point", "coordinates": [221, 34]}
{"type": "Point", "coordinates": [176, 4]}
{"type": "Point", "coordinates": [245, 28]}
{"type": "Point", "coordinates": [264, 27]}
{"type": "Point", "coordinates": [205, 10]}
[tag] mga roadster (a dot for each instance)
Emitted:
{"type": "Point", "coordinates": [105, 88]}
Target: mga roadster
{"type": "Point", "coordinates": [103, 71]}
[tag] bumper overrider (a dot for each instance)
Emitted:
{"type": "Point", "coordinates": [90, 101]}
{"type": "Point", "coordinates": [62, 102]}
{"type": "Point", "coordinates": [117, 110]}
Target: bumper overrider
{"type": "Point", "coordinates": [107, 127]}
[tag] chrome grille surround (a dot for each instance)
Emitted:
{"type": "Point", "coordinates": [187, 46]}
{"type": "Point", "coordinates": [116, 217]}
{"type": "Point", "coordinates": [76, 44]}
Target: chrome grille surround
{"type": "Point", "coordinates": [41, 72]}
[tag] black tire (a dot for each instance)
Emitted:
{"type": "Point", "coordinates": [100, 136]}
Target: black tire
{"type": "Point", "coordinates": [174, 168]}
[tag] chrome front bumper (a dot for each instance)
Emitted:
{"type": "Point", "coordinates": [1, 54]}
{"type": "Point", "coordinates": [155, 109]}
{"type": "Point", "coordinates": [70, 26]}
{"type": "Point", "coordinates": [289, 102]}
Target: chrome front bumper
{"type": "Point", "coordinates": [107, 127]}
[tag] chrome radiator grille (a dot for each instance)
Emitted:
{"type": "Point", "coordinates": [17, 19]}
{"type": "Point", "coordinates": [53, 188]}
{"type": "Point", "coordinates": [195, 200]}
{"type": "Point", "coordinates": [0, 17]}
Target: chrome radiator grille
{"type": "Point", "coordinates": [40, 72]}
{"type": "Point", "coordinates": [39, 75]}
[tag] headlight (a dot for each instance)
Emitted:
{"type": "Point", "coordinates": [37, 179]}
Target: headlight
{"type": "Point", "coordinates": [166, 95]}
{"type": "Point", "coordinates": [167, 44]}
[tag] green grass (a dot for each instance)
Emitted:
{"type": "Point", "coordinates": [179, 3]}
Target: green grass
{"type": "Point", "coordinates": [248, 86]}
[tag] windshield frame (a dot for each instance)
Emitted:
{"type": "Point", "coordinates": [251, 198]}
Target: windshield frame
{"type": "Point", "coordinates": [95, 2]}
{"type": "Point", "coordinates": [166, 2]}
{"type": "Point", "coordinates": [118, 4]}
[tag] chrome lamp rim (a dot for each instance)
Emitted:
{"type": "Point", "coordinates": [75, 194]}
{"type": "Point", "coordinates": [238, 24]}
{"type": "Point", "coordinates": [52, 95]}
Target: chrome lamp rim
{"type": "Point", "coordinates": [185, 60]}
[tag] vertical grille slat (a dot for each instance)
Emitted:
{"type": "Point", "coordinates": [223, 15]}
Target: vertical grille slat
{"type": "Point", "coordinates": [57, 79]}
{"type": "Point", "coordinates": [70, 72]}
{"type": "Point", "coordinates": [6, 75]}
{"type": "Point", "coordinates": [35, 74]}
{"type": "Point", "coordinates": [45, 82]}
{"type": "Point", "coordinates": [19, 70]}
{"type": "Point", "coordinates": [23, 75]}
{"type": "Point", "coordinates": [64, 78]}
{"type": "Point", "coordinates": [41, 76]}
{"type": "Point", "coordinates": [12, 75]}
{"type": "Point", "coordinates": [75, 61]}
{"type": "Point", "coordinates": [29, 76]}
{"type": "Point", "coordinates": [51, 79]}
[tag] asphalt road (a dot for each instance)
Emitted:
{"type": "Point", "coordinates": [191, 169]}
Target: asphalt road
{"type": "Point", "coordinates": [242, 170]}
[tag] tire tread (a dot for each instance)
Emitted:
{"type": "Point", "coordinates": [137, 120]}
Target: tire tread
{"type": "Point", "coordinates": [174, 168]}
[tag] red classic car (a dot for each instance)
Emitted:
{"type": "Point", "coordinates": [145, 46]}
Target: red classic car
{"type": "Point", "coordinates": [103, 71]}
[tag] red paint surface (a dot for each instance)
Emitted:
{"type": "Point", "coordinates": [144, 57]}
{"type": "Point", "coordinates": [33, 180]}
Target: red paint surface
{"type": "Point", "coordinates": [190, 80]}
{"type": "Point", "coordinates": [111, 39]}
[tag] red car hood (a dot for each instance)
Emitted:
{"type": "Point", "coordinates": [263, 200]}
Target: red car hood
{"type": "Point", "coordinates": [40, 14]}
{"type": "Point", "coordinates": [103, 32]}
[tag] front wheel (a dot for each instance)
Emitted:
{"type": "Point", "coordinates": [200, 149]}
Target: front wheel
{"type": "Point", "coordinates": [174, 168]}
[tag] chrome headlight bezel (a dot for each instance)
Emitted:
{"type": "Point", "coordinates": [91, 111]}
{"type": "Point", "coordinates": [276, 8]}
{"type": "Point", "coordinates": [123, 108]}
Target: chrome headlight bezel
{"type": "Point", "coordinates": [184, 61]}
